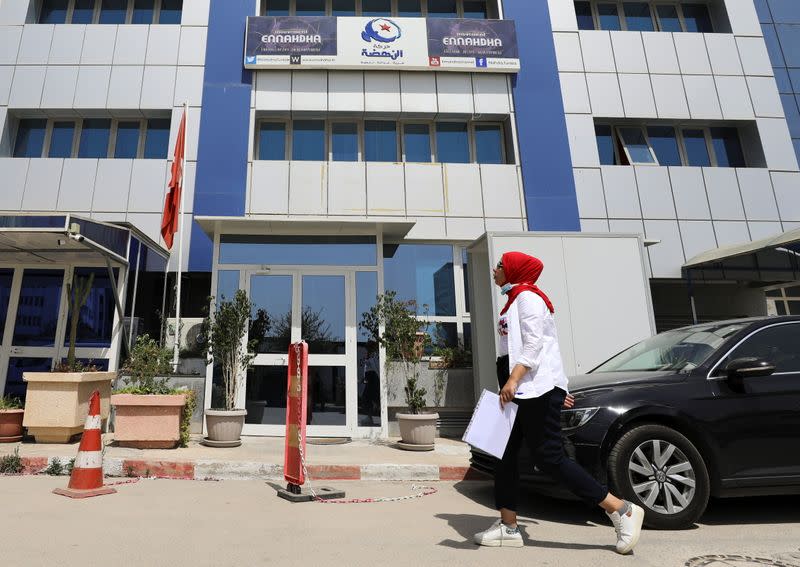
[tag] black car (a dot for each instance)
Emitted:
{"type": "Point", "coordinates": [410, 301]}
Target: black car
{"type": "Point", "coordinates": [707, 410]}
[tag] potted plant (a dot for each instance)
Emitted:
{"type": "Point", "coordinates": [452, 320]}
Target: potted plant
{"type": "Point", "coordinates": [393, 324]}
{"type": "Point", "coordinates": [11, 412]}
{"type": "Point", "coordinates": [57, 402]}
{"type": "Point", "coordinates": [227, 348]}
{"type": "Point", "coordinates": [148, 410]}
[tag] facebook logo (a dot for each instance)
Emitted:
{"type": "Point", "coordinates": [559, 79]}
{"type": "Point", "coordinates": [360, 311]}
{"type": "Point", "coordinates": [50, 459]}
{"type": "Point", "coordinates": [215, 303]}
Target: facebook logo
{"type": "Point", "coordinates": [481, 62]}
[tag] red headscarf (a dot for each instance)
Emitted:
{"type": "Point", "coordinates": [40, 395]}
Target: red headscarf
{"type": "Point", "coordinates": [523, 271]}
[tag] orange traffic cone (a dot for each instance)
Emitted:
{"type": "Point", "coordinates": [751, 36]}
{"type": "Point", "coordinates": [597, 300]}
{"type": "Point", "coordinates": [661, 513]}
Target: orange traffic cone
{"type": "Point", "coordinates": [87, 474]}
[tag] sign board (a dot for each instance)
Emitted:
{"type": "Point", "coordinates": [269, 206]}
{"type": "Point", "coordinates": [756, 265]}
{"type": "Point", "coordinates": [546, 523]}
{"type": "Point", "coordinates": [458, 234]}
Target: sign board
{"type": "Point", "coordinates": [408, 44]}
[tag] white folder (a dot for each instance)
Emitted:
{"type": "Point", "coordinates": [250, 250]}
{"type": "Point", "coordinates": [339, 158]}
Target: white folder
{"type": "Point", "coordinates": [490, 426]}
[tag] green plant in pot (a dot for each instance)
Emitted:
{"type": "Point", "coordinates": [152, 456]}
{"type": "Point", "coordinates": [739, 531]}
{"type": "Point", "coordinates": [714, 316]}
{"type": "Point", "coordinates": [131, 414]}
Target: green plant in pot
{"type": "Point", "coordinates": [11, 414]}
{"type": "Point", "coordinates": [228, 349]}
{"type": "Point", "coordinates": [393, 324]}
{"type": "Point", "coordinates": [57, 402]}
{"type": "Point", "coordinates": [150, 414]}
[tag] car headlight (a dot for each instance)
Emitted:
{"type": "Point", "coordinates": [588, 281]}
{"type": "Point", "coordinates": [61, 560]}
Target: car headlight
{"type": "Point", "coordinates": [575, 418]}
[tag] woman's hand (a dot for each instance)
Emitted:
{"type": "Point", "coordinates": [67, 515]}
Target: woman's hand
{"type": "Point", "coordinates": [569, 401]}
{"type": "Point", "coordinates": [509, 391]}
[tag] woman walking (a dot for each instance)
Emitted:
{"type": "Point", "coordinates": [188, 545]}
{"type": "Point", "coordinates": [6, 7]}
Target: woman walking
{"type": "Point", "coordinates": [531, 375]}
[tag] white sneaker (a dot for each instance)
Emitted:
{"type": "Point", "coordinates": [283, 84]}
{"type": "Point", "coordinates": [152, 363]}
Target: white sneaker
{"type": "Point", "coordinates": [628, 528]}
{"type": "Point", "coordinates": [498, 536]}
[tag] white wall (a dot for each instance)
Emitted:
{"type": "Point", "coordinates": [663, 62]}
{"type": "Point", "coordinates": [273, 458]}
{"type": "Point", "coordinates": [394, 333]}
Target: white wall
{"type": "Point", "coordinates": [99, 71]}
{"type": "Point", "coordinates": [586, 305]}
{"type": "Point", "coordinates": [676, 77]}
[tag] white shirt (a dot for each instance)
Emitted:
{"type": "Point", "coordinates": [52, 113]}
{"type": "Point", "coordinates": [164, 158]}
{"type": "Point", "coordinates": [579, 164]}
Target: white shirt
{"type": "Point", "coordinates": [532, 342]}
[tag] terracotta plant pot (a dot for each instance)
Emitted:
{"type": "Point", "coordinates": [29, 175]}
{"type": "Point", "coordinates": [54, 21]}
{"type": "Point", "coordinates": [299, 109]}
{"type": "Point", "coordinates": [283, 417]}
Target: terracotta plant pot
{"type": "Point", "coordinates": [417, 431]}
{"type": "Point", "coordinates": [225, 427]}
{"type": "Point", "coordinates": [11, 425]}
{"type": "Point", "coordinates": [57, 403]}
{"type": "Point", "coordinates": [148, 422]}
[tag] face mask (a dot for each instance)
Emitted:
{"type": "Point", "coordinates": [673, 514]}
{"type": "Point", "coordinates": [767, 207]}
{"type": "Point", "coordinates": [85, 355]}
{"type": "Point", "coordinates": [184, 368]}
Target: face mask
{"type": "Point", "coordinates": [506, 288]}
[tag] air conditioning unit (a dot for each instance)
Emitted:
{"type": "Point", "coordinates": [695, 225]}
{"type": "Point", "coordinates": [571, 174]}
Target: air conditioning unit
{"type": "Point", "coordinates": [192, 338]}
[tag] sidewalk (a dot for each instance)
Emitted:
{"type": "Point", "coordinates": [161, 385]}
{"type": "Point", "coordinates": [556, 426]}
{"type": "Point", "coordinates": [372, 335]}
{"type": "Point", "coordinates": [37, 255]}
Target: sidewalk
{"type": "Point", "coordinates": [261, 458]}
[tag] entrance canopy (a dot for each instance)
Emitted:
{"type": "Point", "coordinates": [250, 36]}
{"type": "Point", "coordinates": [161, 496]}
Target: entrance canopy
{"type": "Point", "coordinates": [60, 239]}
{"type": "Point", "coordinates": [769, 260]}
{"type": "Point", "coordinates": [389, 227]}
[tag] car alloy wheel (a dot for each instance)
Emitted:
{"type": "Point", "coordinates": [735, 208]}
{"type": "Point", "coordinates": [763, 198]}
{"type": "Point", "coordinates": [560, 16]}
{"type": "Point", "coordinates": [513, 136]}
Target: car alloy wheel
{"type": "Point", "coordinates": [662, 476]}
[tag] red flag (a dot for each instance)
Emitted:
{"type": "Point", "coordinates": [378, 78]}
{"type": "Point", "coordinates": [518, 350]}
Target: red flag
{"type": "Point", "coordinates": [169, 220]}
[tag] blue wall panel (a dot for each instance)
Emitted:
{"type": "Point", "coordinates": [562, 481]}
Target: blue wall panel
{"type": "Point", "coordinates": [221, 179]}
{"type": "Point", "coordinates": [550, 199]}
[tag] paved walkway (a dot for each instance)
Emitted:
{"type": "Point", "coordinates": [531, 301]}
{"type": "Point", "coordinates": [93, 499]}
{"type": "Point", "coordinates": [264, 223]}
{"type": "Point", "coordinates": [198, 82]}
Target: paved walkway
{"type": "Point", "coordinates": [262, 458]}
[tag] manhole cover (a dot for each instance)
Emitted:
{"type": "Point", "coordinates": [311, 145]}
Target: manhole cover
{"type": "Point", "coordinates": [736, 561]}
{"type": "Point", "coordinates": [327, 440]}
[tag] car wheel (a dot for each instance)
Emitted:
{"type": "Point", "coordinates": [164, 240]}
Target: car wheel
{"type": "Point", "coordinates": [661, 470]}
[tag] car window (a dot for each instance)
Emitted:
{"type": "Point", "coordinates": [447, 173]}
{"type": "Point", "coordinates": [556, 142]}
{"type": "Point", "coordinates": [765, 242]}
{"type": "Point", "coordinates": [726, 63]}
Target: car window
{"type": "Point", "coordinates": [678, 350]}
{"type": "Point", "coordinates": [779, 345]}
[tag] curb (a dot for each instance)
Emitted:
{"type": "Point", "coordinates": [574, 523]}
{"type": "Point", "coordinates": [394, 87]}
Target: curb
{"type": "Point", "coordinates": [244, 470]}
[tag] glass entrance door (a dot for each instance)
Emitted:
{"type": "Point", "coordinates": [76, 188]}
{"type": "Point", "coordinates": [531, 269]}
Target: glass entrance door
{"type": "Point", "coordinates": [317, 306]}
{"type": "Point", "coordinates": [31, 316]}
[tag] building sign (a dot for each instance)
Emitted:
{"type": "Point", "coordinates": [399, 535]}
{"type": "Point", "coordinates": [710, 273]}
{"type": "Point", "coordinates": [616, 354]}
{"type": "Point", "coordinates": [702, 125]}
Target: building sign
{"type": "Point", "coordinates": [411, 44]}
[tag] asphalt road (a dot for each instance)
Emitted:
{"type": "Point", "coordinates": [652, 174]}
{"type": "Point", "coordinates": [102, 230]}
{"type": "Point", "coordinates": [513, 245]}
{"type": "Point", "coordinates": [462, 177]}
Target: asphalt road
{"type": "Point", "coordinates": [177, 523]}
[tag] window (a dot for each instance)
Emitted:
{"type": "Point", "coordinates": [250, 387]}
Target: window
{"type": "Point", "coordinates": [92, 138]}
{"type": "Point", "coordinates": [62, 139]}
{"type": "Point", "coordinates": [53, 12]}
{"type": "Point", "coordinates": [417, 143]}
{"type": "Point", "coordinates": [409, 8]}
{"type": "Point", "coordinates": [143, 12]}
{"type": "Point", "coordinates": [727, 147]}
{"type": "Point", "coordinates": [29, 142]}
{"type": "Point", "coordinates": [643, 16]}
{"type": "Point", "coordinates": [127, 141]}
{"type": "Point", "coordinates": [475, 9]}
{"type": "Point", "coordinates": [156, 141]}
{"type": "Point", "coordinates": [471, 9]}
{"type": "Point", "coordinates": [636, 147]}
{"type": "Point", "coordinates": [376, 8]}
{"type": "Point", "coordinates": [113, 11]}
{"type": "Point", "coordinates": [638, 17]}
{"type": "Point", "coordinates": [343, 7]}
{"type": "Point", "coordinates": [666, 145]}
{"type": "Point", "coordinates": [442, 9]}
{"type": "Point", "coordinates": [452, 142]}
{"type": "Point", "coordinates": [308, 140]}
{"type": "Point", "coordinates": [95, 135]}
{"type": "Point", "coordinates": [777, 344]}
{"type": "Point", "coordinates": [344, 141]}
{"type": "Point", "coordinates": [605, 144]}
{"type": "Point", "coordinates": [83, 12]}
{"type": "Point", "coordinates": [668, 19]}
{"type": "Point", "coordinates": [608, 17]}
{"type": "Point", "coordinates": [272, 141]}
{"type": "Point", "coordinates": [696, 18]}
{"type": "Point", "coordinates": [694, 141]}
{"type": "Point", "coordinates": [110, 12]}
{"type": "Point", "coordinates": [276, 8]}
{"type": "Point", "coordinates": [380, 140]}
{"type": "Point", "coordinates": [423, 273]}
{"type": "Point", "coordinates": [310, 7]}
{"type": "Point", "coordinates": [583, 11]}
{"type": "Point", "coordinates": [489, 143]}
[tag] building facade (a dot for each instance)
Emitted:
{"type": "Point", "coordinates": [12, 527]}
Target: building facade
{"type": "Point", "coordinates": [316, 188]}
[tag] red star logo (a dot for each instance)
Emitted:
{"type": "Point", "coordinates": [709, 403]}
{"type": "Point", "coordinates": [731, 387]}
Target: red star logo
{"type": "Point", "coordinates": [386, 27]}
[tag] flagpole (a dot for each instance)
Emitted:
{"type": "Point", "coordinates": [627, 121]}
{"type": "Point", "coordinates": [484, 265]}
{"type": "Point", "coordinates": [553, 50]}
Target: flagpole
{"type": "Point", "coordinates": [176, 348]}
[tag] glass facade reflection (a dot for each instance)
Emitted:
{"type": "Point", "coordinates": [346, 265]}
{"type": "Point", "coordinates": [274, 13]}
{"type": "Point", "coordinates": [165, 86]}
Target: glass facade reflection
{"type": "Point", "coordinates": [298, 250]}
{"type": "Point", "coordinates": [323, 323]}
{"type": "Point", "coordinates": [369, 365]}
{"type": "Point", "coordinates": [271, 320]}
{"type": "Point", "coordinates": [37, 312]}
{"type": "Point", "coordinates": [421, 272]}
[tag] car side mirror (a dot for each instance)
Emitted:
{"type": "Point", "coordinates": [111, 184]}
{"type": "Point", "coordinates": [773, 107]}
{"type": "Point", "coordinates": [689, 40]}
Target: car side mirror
{"type": "Point", "coordinates": [749, 367]}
